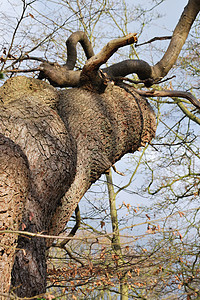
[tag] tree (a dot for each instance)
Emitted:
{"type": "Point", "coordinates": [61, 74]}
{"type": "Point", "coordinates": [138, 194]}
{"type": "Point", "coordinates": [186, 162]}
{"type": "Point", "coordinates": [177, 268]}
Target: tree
{"type": "Point", "coordinates": [92, 126]}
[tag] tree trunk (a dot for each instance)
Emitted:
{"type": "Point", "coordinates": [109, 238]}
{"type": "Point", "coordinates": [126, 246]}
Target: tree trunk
{"type": "Point", "coordinates": [50, 153]}
{"type": "Point", "coordinates": [58, 133]}
{"type": "Point", "coordinates": [14, 186]}
{"type": "Point", "coordinates": [105, 126]}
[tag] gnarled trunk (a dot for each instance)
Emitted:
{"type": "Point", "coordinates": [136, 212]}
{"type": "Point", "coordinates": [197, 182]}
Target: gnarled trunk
{"type": "Point", "coordinates": [84, 131]}
{"type": "Point", "coordinates": [14, 188]}
{"type": "Point", "coordinates": [38, 133]}
{"type": "Point", "coordinates": [105, 126]}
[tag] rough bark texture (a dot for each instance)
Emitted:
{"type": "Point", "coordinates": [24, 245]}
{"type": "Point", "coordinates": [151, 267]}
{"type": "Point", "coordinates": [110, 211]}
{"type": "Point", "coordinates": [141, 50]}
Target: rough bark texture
{"type": "Point", "coordinates": [48, 146]}
{"type": "Point", "coordinates": [49, 136]}
{"type": "Point", "coordinates": [14, 188]}
{"type": "Point", "coordinates": [106, 126]}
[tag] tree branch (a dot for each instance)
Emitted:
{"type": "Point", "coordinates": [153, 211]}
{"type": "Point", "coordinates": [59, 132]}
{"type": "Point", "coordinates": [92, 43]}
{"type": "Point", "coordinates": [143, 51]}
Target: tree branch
{"type": "Point", "coordinates": [59, 76]}
{"type": "Point", "coordinates": [71, 43]}
{"type": "Point", "coordinates": [22, 70]}
{"type": "Point", "coordinates": [129, 66]}
{"type": "Point", "coordinates": [90, 70]}
{"type": "Point", "coordinates": [156, 38]}
{"type": "Point", "coordinates": [64, 76]}
{"type": "Point", "coordinates": [178, 39]}
{"type": "Point", "coordinates": [96, 61]}
{"type": "Point", "coordinates": [74, 229]}
{"type": "Point", "coordinates": [171, 94]}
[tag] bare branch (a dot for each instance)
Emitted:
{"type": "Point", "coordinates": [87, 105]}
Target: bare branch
{"type": "Point", "coordinates": [129, 66]}
{"type": "Point", "coordinates": [118, 172]}
{"type": "Point", "coordinates": [22, 70]}
{"type": "Point", "coordinates": [90, 70]}
{"type": "Point", "coordinates": [157, 38]}
{"type": "Point", "coordinates": [178, 39]}
{"type": "Point", "coordinates": [188, 113]}
{"type": "Point", "coordinates": [96, 61]}
{"type": "Point", "coordinates": [59, 76]}
{"type": "Point", "coordinates": [71, 43]}
{"type": "Point", "coordinates": [74, 229]}
{"type": "Point", "coordinates": [15, 32]}
{"type": "Point", "coordinates": [171, 94]}
{"type": "Point", "coordinates": [63, 76]}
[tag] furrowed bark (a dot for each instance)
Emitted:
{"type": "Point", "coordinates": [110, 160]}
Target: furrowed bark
{"type": "Point", "coordinates": [14, 188]}
{"type": "Point", "coordinates": [58, 143]}
{"type": "Point", "coordinates": [28, 120]}
{"type": "Point", "coordinates": [105, 126]}
{"type": "Point", "coordinates": [60, 132]}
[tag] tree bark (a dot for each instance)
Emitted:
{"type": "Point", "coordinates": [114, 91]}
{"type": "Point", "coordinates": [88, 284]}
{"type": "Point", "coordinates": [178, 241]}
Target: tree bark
{"type": "Point", "coordinates": [105, 126]}
{"type": "Point", "coordinates": [47, 145]}
{"type": "Point", "coordinates": [55, 144]}
{"type": "Point", "coordinates": [14, 188]}
{"type": "Point", "coordinates": [59, 133]}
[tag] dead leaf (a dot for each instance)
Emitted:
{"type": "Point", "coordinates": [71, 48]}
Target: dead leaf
{"type": "Point", "coordinates": [32, 16]}
{"type": "Point", "coordinates": [148, 217]}
{"type": "Point", "coordinates": [23, 226]}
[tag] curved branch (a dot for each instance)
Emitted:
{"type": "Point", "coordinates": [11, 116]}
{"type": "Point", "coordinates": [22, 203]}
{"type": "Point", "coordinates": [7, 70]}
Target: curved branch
{"type": "Point", "coordinates": [178, 39]}
{"type": "Point", "coordinates": [74, 229]}
{"type": "Point", "coordinates": [71, 43]}
{"type": "Point", "coordinates": [160, 70]}
{"type": "Point", "coordinates": [61, 76]}
{"type": "Point", "coordinates": [188, 113]}
{"type": "Point", "coordinates": [171, 94]}
{"type": "Point", "coordinates": [129, 66]}
{"type": "Point", "coordinates": [64, 76]}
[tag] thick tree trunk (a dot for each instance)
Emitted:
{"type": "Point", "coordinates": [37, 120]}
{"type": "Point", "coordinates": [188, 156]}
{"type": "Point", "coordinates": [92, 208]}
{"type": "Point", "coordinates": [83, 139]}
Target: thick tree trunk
{"type": "Point", "coordinates": [50, 153]}
{"type": "Point", "coordinates": [106, 126]}
{"type": "Point", "coordinates": [82, 130]}
{"type": "Point", "coordinates": [14, 187]}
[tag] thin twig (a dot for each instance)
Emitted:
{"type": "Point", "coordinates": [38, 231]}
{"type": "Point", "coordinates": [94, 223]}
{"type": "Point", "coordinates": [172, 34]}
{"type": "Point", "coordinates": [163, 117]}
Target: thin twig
{"type": "Point", "coordinates": [14, 33]}
{"type": "Point", "coordinates": [22, 70]}
{"type": "Point", "coordinates": [157, 38]}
